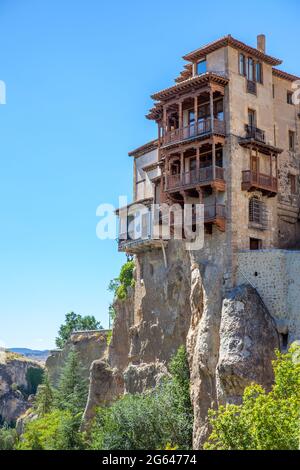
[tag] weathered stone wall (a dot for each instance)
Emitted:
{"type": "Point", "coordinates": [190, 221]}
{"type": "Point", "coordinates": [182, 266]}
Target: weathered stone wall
{"type": "Point", "coordinates": [276, 276]}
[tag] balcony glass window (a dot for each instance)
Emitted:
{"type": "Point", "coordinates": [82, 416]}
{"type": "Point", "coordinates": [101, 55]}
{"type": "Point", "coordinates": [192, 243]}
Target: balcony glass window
{"type": "Point", "coordinates": [218, 110]}
{"type": "Point", "coordinates": [201, 67]}
{"type": "Point", "coordinates": [252, 118]}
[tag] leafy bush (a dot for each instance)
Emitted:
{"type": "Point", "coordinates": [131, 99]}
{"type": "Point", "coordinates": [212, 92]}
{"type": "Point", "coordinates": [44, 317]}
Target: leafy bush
{"type": "Point", "coordinates": [74, 322]}
{"type": "Point", "coordinates": [150, 420]}
{"type": "Point", "coordinates": [120, 284]}
{"type": "Point", "coordinates": [264, 421]}
{"type": "Point", "coordinates": [8, 438]}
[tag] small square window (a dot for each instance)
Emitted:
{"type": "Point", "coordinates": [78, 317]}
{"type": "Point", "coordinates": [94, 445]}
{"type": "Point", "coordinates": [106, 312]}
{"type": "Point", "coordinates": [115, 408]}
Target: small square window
{"type": "Point", "coordinates": [290, 97]}
{"type": "Point", "coordinates": [201, 67]}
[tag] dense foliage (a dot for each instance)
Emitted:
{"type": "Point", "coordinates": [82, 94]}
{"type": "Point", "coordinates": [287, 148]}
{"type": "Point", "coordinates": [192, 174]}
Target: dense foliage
{"type": "Point", "coordinates": [59, 411]}
{"type": "Point", "coordinates": [151, 420]}
{"type": "Point", "coordinates": [264, 421]}
{"type": "Point", "coordinates": [8, 438]}
{"type": "Point", "coordinates": [120, 284]}
{"type": "Point", "coordinates": [75, 322]}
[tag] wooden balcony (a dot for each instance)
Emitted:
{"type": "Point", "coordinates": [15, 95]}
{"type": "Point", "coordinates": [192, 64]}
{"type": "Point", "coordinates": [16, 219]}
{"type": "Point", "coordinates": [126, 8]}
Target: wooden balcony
{"type": "Point", "coordinates": [203, 177]}
{"type": "Point", "coordinates": [256, 134]}
{"type": "Point", "coordinates": [192, 131]}
{"type": "Point", "coordinates": [265, 183]}
{"type": "Point", "coordinates": [215, 214]}
{"type": "Point", "coordinates": [140, 245]}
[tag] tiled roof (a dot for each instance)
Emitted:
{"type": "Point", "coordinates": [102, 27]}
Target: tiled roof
{"type": "Point", "coordinates": [152, 145]}
{"type": "Point", "coordinates": [230, 41]}
{"type": "Point", "coordinates": [204, 77]}
{"type": "Point", "coordinates": [287, 76]}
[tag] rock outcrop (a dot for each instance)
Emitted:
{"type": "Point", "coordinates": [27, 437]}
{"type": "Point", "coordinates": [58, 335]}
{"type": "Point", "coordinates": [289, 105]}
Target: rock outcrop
{"type": "Point", "coordinates": [18, 379]}
{"type": "Point", "coordinates": [89, 345]}
{"type": "Point", "coordinates": [183, 298]}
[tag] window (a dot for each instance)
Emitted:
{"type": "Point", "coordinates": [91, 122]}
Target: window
{"type": "Point", "coordinates": [293, 184]}
{"type": "Point", "coordinates": [289, 97]}
{"type": "Point", "coordinates": [250, 69]}
{"type": "Point", "coordinates": [292, 141]}
{"type": "Point", "coordinates": [255, 244]}
{"type": "Point", "coordinates": [242, 65]}
{"type": "Point", "coordinates": [258, 72]}
{"type": "Point", "coordinates": [258, 212]}
{"type": "Point", "coordinates": [201, 67]}
{"type": "Point", "coordinates": [273, 90]}
{"type": "Point", "coordinates": [218, 110]}
{"type": "Point", "coordinates": [252, 118]}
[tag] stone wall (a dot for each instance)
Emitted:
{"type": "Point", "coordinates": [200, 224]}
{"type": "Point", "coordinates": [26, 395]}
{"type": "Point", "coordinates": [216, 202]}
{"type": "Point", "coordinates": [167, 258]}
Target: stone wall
{"type": "Point", "coordinates": [276, 276]}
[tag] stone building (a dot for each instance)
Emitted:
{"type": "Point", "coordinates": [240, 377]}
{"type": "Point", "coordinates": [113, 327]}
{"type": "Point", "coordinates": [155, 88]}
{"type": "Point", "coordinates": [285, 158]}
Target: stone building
{"type": "Point", "coordinates": [228, 137]}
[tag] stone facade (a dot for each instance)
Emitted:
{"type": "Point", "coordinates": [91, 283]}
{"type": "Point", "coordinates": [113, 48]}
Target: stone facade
{"type": "Point", "coordinates": [275, 274]}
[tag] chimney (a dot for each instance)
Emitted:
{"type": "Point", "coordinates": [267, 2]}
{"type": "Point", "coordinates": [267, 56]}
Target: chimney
{"type": "Point", "coordinates": [261, 43]}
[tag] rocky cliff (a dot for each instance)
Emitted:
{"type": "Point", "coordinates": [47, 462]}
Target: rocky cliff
{"type": "Point", "coordinates": [89, 345]}
{"type": "Point", "coordinates": [19, 378]}
{"type": "Point", "coordinates": [185, 298]}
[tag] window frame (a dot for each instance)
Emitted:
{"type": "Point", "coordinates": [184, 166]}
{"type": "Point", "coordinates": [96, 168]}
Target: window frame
{"type": "Point", "coordinates": [200, 62]}
{"type": "Point", "coordinates": [292, 140]}
{"type": "Point", "coordinates": [289, 97]}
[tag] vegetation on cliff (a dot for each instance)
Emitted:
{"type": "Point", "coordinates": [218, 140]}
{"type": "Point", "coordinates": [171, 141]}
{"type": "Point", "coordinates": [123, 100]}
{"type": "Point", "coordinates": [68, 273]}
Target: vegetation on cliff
{"type": "Point", "coordinates": [150, 420]}
{"type": "Point", "coordinates": [264, 421]}
{"type": "Point", "coordinates": [120, 284]}
{"type": "Point", "coordinates": [58, 412]}
{"type": "Point", "coordinates": [74, 322]}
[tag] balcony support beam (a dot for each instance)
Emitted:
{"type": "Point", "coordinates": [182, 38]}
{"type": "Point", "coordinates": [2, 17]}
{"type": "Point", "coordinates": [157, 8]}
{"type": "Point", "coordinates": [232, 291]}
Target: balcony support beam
{"type": "Point", "coordinates": [214, 159]}
{"type": "Point", "coordinates": [211, 104]}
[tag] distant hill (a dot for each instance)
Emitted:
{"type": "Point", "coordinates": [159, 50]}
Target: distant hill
{"type": "Point", "coordinates": [32, 353]}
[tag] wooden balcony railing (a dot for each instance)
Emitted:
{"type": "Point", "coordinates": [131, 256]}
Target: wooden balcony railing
{"type": "Point", "coordinates": [251, 179]}
{"type": "Point", "coordinates": [194, 130]}
{"type": "Point", "coordinates": [193, 177]}
{"type": "Point", "coordinates": [255, 133]}
{"type": "Point", "coordinates": [212, 211]}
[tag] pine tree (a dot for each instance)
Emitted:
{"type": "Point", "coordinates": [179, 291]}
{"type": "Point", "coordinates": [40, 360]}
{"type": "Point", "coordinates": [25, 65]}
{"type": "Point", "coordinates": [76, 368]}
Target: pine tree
{"type": "Point", "coordinates": [72, 389]}
{"type": "Point", "coordinates": [44, 397]}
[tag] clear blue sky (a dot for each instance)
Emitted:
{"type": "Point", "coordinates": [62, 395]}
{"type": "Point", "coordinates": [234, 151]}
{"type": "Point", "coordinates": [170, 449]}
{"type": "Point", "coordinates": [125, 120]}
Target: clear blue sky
{"type": "Point", "coordinates": [79, 74]}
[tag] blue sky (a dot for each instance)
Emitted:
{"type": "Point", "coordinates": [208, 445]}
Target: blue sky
{"type": "Point", "coordinates": [79, 75]}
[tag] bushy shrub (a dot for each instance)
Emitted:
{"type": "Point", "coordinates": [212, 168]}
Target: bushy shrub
{"type": "Point", "coordinates": [150, 420]}
{"type": "Point", "coordinates": [8, 438]}
{"type": "Point", "coordinates": [264, 421]}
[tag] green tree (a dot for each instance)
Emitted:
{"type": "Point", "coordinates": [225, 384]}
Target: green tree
{"type": "Point", "coordinates": [264, 421]}
{"type": "Point", "coordinates": [43, 433]}
{"type": "Point", "coordinates": [44, 397]}
{"type": "Point", "coordinates": [8, 438]}
{"type": "Point", "coordinates": [150, 420]}
{"type": "Point", "coordinates": [75, 322]}
{"type": "Point", "coordinates": [72, 390]}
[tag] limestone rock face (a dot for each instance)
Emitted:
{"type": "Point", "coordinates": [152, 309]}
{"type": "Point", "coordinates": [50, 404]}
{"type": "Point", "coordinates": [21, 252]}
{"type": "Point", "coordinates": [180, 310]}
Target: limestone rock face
{"type": "Point", "coordinates": [90, 345]}
{"type": "Point", "coordinates": [106, 384]}
{"type": "Point", "coordinates": [234, 346]}
{"type": "Point", "coordinates": [144, 377]}
{"type": "Point", "coordinates": [15, 385]}
{"type": "Point", "coordinates": [248, 339]}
